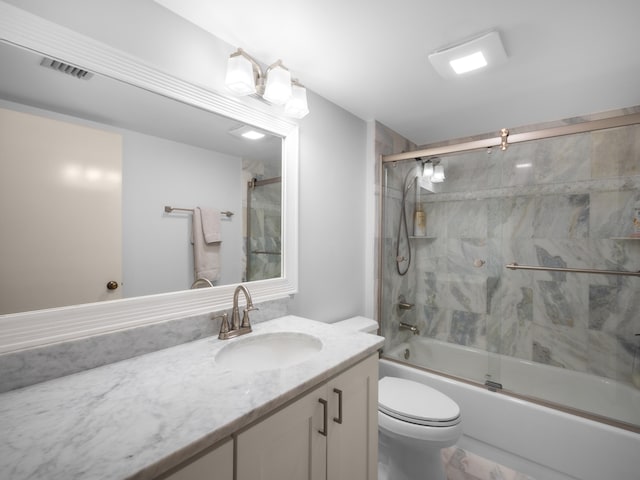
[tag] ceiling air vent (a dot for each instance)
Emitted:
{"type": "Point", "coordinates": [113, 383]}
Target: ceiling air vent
{"type": "Point", "coordinates": [66, 68]}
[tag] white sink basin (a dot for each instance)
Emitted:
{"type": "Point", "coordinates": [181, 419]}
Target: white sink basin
{"type": "Point", "coordinates": [268, 351]}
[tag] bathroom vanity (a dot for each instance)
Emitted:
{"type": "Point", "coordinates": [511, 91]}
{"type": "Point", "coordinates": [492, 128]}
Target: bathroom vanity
{"type": "Point", "coordinates": [194, 412]}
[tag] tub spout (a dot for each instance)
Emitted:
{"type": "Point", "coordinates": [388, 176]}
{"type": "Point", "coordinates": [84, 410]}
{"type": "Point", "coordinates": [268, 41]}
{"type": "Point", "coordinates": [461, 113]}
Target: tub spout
{"type": "Point", "coordinates": [412, 328]}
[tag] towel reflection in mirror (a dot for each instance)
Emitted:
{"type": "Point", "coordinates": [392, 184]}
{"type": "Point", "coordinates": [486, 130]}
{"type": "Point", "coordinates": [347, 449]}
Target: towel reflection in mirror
{"type": "Point", "coordinates": [207, 239]}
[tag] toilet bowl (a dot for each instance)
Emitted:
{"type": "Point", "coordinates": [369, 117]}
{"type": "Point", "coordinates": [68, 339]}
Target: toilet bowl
{"type": "Point", "coordinates": [414, 422]}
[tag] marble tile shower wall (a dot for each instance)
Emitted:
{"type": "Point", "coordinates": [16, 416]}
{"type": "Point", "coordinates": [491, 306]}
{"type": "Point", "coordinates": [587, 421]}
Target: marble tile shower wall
{"type": "Point", "coordinates": [566, 202]}
{"type": "Point", "coordinates": [264, 259]}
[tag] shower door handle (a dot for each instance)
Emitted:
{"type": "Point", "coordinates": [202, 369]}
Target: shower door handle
{"type": "Point", "coordinates": [338, 419]}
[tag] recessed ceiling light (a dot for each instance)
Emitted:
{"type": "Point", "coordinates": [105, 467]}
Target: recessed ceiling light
{"type": "Point", "coordinates": [253, 135]}
{"type": "Point", "coordinates": [248, 132]}
{"type": "Point", "coordinates": [481, 52]}
{"type": "Point", "coordinates": [468, 63]}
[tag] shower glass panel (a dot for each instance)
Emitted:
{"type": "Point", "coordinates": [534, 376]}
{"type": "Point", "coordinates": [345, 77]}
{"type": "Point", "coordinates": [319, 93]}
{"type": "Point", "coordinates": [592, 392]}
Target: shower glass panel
{"type": "Point", "coordinates": [558, 337]}
{"type": "Point", "coordinates": [448, 267]}
{"type": "Point", "coordinates": [263, 240]}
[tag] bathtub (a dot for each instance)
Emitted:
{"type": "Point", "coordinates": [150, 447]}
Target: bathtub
{"type": "Point", "coordinates": [542, 442]}
{"type": "Point", "coordinates": [581, 391]}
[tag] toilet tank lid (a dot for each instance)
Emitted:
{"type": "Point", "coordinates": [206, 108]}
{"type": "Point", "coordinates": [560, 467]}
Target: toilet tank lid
{"type": "Point", "coordinates": [358, 324]}
{"type": "Point", "coordinates": [413, 400]}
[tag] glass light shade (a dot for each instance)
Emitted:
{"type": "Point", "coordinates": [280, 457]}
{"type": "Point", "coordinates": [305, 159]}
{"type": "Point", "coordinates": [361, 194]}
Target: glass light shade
{"type": "Point", "coordinates": [278, 87]}
{"type": "Point", "coordinates": [427, 169]}
{"type": "Point", "coordinates": [438, 174]}
{"type": "Point", "coordinates": [297, 105]}
{"type": "Point", "coordinates": [240, 79]}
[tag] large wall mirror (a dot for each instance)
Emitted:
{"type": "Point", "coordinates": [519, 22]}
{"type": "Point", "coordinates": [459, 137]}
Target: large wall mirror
{"type": "Point", "coordinates": [105, 163]}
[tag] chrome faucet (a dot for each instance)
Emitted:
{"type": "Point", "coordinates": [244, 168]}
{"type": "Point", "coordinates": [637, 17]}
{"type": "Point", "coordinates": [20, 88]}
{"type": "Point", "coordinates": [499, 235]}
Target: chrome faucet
{"type": "Point", "coordinates": [236, 328]}
{"type": "Point", "coordinates": [412, 328]}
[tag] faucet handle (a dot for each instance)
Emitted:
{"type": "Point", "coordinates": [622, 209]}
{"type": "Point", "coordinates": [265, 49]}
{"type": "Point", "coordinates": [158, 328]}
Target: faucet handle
{"type": "Point", "coordinates": [224, 325]}
{"type": "Point", "coordinates": [245, 316]}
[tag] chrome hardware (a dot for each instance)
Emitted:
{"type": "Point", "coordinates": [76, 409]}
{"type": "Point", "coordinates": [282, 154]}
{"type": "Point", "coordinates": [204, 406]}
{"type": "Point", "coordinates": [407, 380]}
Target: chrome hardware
{"type": "Point", "coordinates": [338, 419]}
{"type": "Point", "coordinates": [504, 135]}
{"type": "Point", "coordinates": [205, 281]}
{"type": "Point", "coordinates": [324, 421]}
{"type": "Point", "coordinates": [224, 326]}
{"type": "Point", "coordinates": [236, 328]}
{"type": "Point", "coordinates": [112, 285]}
{"type": "Point", "coordinates": [493, 386]}
{"type": "Point", "coordinates": [169, 209]}
{"type": "Point", "coordinates": [403, 304]}
{"type": "Point", "coordinates": [411, 328]}
{"type": "Point", "coordinates": [515, 266]}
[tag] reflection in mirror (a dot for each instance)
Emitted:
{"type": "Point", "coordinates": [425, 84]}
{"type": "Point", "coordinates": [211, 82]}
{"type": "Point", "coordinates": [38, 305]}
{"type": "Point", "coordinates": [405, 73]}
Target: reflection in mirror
{"type": "Point", "coordinates": [89, 165]}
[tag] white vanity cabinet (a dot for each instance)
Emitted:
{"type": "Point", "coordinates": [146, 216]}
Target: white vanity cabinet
{"type": "Point", "coordinates": [329, 434]}
{"type": "Point", "coordinates": [216, 464]}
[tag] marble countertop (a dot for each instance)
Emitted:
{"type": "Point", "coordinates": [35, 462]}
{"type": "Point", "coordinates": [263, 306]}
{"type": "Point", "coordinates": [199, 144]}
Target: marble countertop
{"type": "Point", "coordinates": [139, 417]}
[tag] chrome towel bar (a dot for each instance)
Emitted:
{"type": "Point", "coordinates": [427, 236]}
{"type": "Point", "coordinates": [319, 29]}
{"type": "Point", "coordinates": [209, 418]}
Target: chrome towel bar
{"type": "Point", "coordinates": [515, 266]}
{"type": "Point", "coordinates": [169, 209]}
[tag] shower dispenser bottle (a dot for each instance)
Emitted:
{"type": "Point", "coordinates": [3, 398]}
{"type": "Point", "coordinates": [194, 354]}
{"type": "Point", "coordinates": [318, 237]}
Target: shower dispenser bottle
{"type": "Point", "coordinates": [419, 222]}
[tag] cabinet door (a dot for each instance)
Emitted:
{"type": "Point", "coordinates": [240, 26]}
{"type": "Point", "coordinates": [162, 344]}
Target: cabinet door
{"type": "Point", "coordinates": [286, 445]}
{"type": "Point", "coordinates": [353, 444]}
{"type": "Point", "coordinates": [215, 465]}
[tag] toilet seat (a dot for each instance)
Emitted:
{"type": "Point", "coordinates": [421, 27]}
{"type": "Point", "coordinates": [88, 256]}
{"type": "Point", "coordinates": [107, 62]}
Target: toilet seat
{"type": "Point", "coordinates": [416, 403]}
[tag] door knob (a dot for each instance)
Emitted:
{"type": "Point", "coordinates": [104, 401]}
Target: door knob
{"type": "Point", "coordinates": [112, 285]}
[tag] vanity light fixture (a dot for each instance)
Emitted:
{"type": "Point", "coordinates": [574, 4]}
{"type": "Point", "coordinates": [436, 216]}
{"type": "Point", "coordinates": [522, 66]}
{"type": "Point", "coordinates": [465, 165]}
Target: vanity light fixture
{"type": "Point", "coordinates": [245, 77]}
{"type": "Point", "coordinates": [480, 52]}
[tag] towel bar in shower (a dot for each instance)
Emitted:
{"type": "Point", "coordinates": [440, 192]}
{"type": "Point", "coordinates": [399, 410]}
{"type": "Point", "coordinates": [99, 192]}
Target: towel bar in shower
{"type": "Point", "coordinates": [515, 266]}
{"type": "Point", "coordinates": [169, 209]}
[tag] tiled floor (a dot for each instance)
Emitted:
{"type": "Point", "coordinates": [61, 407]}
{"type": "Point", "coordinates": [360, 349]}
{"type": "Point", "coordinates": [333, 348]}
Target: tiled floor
{"type": "Point", "coordinates": [462, 465]}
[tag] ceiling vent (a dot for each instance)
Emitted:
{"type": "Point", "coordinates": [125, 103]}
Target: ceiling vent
{"type": "Point", "coordinates": [66, 68]}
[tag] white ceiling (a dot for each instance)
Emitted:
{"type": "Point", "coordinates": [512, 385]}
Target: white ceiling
{"type": "Point", "coordinates": [566, 57]}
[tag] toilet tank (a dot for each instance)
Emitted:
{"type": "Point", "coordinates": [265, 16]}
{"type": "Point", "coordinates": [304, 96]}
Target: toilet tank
{"type": "Point", "coordinates": [360, 324]}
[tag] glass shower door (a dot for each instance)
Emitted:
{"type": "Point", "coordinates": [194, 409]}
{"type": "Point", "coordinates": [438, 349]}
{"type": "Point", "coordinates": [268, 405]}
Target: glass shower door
{"type": "Point", "coordinates": [264, 239]}
{"type": "Point", "coordinates": [527, 278]}
{"type": "Point", "coordinates": [435, 282]}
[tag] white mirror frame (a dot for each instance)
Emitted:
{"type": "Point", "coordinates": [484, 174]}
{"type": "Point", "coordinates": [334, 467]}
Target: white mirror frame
{"type": "Point", "coordinates": [41, 327]}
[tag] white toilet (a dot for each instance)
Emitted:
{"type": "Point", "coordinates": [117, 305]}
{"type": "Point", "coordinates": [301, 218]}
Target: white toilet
{"type": "Point", "coordinates": [414, 422]}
